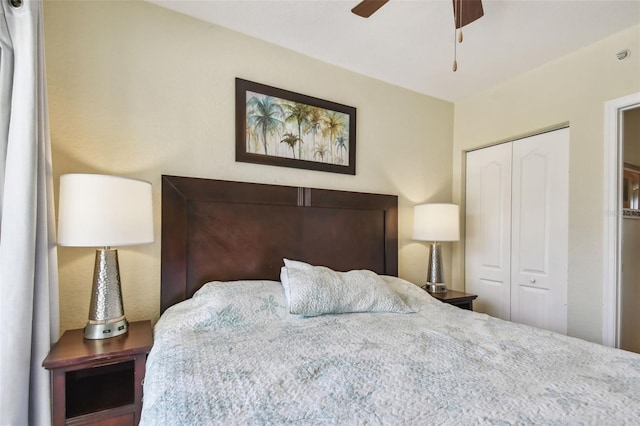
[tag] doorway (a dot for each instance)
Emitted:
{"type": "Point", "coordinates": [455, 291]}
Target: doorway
{"type": "Point", "coordinates": [629, 314]}
{"type": "Point", "coordinates": [613, 308]}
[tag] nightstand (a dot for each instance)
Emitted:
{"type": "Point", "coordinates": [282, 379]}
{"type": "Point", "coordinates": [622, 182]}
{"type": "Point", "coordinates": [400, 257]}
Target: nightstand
{"type": "Point", "coordinates": [99, 381]}
{"type": "Point", "coordinates": [456, 298]}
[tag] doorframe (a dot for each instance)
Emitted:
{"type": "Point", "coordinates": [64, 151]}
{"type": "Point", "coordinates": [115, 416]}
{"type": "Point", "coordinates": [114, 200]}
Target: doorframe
{"type": "Point", "coordinates": [612, 269]}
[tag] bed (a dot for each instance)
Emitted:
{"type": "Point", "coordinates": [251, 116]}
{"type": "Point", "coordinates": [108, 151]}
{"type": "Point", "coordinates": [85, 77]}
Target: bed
{"type": "Point", "coordinates": [239, 258]}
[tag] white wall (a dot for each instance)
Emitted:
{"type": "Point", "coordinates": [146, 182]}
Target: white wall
{"type": "Point", "coordinates": [570, 90]}
{"type": "Point", "coordinates": [140, 91]}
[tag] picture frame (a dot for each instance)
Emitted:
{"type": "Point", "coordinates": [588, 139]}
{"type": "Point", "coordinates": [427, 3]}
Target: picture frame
{"type": "Point", "coordinates": [631, 191]}
{"type": "Point", "coordinates": [282, 128]}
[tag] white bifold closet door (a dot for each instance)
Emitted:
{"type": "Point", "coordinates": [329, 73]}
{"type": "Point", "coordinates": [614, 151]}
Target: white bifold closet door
{"type": "Point", "coordinates": [517, 204]}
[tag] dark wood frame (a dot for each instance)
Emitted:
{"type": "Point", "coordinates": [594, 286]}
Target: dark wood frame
{"type": "Point", "coordinates": [242, 86]}
{"type": "Point", "coordinates": [215, 230]}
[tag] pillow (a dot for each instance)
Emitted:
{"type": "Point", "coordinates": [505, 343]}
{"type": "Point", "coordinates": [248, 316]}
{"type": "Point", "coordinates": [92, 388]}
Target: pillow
{"type": "Point", "coordinates": [317, 290]}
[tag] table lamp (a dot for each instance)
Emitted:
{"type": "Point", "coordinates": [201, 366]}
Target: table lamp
{"type": "Point", "coordinates": [104, 211]}
{"type": "Point", "coordinates": [436, 223]}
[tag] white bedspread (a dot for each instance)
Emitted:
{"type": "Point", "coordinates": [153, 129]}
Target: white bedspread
{"type": "Point", "coordinates": [233, 355]}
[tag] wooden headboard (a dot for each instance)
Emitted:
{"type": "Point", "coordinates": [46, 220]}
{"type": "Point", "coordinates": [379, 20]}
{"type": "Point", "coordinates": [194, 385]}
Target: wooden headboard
{"type": "Point", "coordinates": [215, 230]}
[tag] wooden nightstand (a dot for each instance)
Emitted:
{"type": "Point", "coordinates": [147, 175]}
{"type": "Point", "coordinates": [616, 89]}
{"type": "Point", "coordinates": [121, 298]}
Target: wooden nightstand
{"type": "Point", "coordinates": [99, 381]}
{"type": "Point", "coordinates": [456, 298]}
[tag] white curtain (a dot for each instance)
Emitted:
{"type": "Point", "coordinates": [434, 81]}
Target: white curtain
{"type": "Point", "coordinates": [28, 261]}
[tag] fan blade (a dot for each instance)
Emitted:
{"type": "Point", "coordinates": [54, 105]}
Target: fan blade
{"type": "Point", "coordinates": [367, 8]}
{"type": "Point", "coordinates": [470, 11]}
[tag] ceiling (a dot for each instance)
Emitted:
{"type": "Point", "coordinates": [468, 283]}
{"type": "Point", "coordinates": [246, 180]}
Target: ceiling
{"type": "Point", "coordinates": [410, 43]}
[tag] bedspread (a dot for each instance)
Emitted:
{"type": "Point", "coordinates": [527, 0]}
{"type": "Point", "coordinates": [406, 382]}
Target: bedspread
{"type": "Point", "coordinates": [234, 355]}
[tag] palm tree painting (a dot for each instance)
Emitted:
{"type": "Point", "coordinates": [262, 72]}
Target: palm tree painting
{"type": "Point", "coordinates": [277, 127]}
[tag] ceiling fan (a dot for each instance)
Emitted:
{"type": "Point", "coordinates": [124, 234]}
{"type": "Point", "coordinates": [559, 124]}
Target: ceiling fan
{"type": "Point", "coordinates": [464, 13]}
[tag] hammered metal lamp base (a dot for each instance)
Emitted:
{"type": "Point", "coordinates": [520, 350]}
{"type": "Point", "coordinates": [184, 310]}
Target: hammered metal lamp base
{"type": "Point", "coordinates": [106, 314]}
{"type": "Point", "coordinates": [435, 271]}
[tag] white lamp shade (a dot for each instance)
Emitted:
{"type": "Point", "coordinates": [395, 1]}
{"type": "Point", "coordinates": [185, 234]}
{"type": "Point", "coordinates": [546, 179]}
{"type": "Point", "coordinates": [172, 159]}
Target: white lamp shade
{"type": "Point", "coordinates": [104, 211]}
{"type": "Point", "coordinates": [436, 222]}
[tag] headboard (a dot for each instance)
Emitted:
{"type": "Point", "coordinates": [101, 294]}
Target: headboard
{"type": "Point", "coordinates": [223, 231]}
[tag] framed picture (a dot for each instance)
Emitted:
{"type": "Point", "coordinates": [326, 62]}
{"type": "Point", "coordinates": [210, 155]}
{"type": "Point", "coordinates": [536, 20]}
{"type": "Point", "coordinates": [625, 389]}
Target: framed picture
{"type": "Point", "coordinates": [282, 128]}
{"type": "Point", "coordinates": [630, 191]}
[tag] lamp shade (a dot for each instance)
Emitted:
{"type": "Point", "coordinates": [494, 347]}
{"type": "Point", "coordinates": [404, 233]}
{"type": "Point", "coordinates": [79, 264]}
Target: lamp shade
{"type": "Point", "coordinates": [436, 222]}
{"type": "Point", "coordinates": [104, 211]}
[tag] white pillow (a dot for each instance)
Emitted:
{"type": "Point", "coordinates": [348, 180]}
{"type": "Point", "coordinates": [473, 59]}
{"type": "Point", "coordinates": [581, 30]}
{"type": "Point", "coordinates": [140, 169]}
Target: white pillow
{"type": "Point", "coordinates": [317, 290]}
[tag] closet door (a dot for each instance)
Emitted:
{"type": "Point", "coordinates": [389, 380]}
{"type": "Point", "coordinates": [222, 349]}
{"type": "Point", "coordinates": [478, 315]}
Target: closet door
{"type": "Point", "coordinates": [540, 206]}
{"type": "Point", "coordinates": [488, 229]}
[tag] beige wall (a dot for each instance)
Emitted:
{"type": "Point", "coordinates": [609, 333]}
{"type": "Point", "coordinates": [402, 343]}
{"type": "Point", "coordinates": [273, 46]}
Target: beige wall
{"type": "Point", "coordinates": [139, 91]}
{"type": "Point", "coordinates": [570, 90]}
{"type": "Point", "coordinates": [136, 90]}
